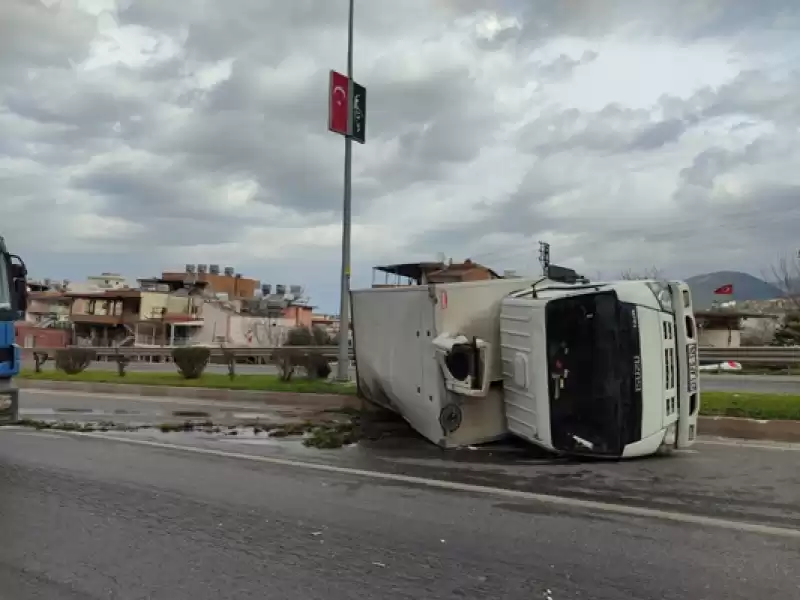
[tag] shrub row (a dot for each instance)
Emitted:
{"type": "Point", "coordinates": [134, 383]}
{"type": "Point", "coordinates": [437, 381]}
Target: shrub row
{"type": "Point", "coordinates": [191, 361]}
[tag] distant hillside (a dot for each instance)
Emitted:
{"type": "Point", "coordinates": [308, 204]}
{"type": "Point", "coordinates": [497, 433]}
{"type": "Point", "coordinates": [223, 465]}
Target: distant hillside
{"type": "Point", "coordinates": [745, 287]}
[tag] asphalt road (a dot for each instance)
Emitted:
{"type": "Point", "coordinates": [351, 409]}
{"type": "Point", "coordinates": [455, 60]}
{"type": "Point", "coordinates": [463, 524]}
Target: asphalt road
{"type": "Point", "coordinates": [766, 384]}
{"type": "Point", "coordinates": [88, 518]}
{"type": "Point", "coordinates": [129, 409]}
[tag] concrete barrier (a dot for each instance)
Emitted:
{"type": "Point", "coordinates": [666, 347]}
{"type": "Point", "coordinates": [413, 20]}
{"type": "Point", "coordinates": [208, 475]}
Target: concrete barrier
{"type": "Point", "coordinates": [750, 429]}
{"type": "Point", "coordinates": [321, 401]}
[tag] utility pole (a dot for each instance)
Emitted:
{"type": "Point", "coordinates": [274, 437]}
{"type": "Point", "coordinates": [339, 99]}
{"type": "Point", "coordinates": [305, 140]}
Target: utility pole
{"type": "Point", "coordinates": [343, 371]}
{"type": "Point", "coordinates": [544, 257]}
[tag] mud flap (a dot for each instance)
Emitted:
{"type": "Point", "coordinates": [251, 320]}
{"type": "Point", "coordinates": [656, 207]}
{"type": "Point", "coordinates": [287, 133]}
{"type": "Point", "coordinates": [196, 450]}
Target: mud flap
{"type": "Point", "coordinates": [9, 405]}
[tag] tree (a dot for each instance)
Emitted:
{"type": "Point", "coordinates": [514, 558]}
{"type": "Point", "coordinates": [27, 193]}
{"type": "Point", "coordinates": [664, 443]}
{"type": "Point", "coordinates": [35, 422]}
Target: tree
{"type": "Point", "coordinates": [759, 332]}
{"type": "Point", "coordinates": [785, 274]}
{"type": "Point", "coordinates": [287, 359]}
{"type": "Point", "coordinates": [650, 273]}
{"type": "Point", "coordinates": [788, 334]}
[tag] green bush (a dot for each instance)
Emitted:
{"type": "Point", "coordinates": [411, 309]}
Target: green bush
{"type": "Point", "coordinates": [74, 360]}
{"type": "Point", "coordinates": [788, 334]}
{"type": "Point", "coordinates": [321, 337]}
{"type": "Point", "coordinates": [191, 361]}
{"type": "Point", "coordinates": [314, 365]}
{"type": "Point", "coordinates": [299, 336]}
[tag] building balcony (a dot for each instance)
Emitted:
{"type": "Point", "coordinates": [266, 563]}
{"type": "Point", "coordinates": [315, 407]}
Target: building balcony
{"type": "Point", "coordinates": [109, 320]}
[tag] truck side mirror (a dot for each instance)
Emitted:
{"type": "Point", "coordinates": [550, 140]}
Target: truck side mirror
{"type": "Point", "coordinates": [21, 293]}
{"type": "Point", "coordinates": [19, 283]}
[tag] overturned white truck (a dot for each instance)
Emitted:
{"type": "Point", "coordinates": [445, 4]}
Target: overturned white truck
{"type": "Point", "coordinates": [575, 367]}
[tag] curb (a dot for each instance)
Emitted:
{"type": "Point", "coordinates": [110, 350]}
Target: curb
{"type": "Point", "coordinates": [749, 429]}
{"type": "Point", "coordinates": [321, 401]}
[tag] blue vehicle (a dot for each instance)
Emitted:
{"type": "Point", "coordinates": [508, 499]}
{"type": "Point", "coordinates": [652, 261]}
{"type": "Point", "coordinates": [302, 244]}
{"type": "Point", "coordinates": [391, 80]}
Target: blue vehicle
{"type": "Point", "coordinates": [13, 304]}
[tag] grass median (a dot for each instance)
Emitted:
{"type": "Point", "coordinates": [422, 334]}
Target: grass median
{"type": "Point", "coordinates": [268, 383]}
{"type": "Point", "coordinates": [752, 406]}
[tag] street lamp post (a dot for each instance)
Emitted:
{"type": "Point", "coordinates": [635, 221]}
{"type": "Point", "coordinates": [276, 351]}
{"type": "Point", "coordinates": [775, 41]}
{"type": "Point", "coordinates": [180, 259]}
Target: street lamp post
{"type": "Point", "coordinates": [343, 371]}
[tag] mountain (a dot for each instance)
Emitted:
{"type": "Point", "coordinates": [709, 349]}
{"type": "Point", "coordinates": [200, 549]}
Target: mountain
{"type": "Point", "coordinates": [745, 287]}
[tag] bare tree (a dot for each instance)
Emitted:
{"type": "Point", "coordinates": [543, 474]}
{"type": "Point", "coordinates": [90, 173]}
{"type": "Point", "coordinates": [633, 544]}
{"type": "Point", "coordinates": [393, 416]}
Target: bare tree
{"type": "Point", "coordinates": [759, 332]}
{"type": "Point", "coordinates": [786, 275]}
{"type": "Point", "coordinates": [651, 273]}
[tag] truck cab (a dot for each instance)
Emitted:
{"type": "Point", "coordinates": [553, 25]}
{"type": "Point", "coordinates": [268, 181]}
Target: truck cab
{"type": "Point", "coordinates": [13, 304]}
{"type": "Point", "coordinates": [601, 369]}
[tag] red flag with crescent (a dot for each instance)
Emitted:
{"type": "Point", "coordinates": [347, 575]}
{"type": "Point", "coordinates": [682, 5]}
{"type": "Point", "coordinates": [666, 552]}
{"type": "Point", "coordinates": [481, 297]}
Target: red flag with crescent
{"type": "Point", "coordinates": [725, 290]}
{"type": "Point", "coordinates": [337, 103]}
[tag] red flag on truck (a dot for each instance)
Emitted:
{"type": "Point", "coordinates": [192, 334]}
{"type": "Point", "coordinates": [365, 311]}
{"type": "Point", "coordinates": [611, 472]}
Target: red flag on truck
{"type": "Point", "coordinates": [725, 290]}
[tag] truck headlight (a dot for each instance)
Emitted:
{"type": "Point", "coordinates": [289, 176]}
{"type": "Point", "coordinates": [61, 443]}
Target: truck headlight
{"type": "Point", "coordinates": [670, 435]}
{"type": "Point", "coordinates": [5, 402]}
{"type": "Point", "coordinates": [661, 291]}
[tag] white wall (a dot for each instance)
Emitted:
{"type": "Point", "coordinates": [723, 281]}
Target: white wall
{"type": "Point", "coordinates": [221, 324]}
{"type": "Point", "coordinates": [719, 338]}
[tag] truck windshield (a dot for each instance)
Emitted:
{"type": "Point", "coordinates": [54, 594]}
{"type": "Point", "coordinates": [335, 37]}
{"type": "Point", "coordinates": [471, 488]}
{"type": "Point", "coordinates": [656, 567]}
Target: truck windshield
{"type": "Point", "coordinates": [595, 398]}
{"type": "Point", "coordinates": [5, 290]}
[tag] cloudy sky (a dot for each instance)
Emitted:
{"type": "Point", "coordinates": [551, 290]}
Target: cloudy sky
{"type": "Point", "coordinates": [139, 135]}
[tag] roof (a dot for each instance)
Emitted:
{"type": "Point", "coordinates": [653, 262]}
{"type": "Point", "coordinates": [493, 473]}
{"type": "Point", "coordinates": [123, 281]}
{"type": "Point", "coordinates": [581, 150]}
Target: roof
{"type": "Point", "coordinates": [411, 270]}
{"type": "Point", "coordinates": [734, 314]}
{"type": "Point", "coordinates": [417, 270]}
{"type": "Point", "coordinates": [109, 294]}
{"type": "Point", "coordinates": [46, 295]}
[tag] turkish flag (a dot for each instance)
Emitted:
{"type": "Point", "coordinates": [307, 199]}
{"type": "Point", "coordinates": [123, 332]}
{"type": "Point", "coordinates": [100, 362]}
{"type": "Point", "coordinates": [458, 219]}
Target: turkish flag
{"type": "Point", "coordinates": [338, 117]}
{"type": "Point", "coordinates": [725, 290]}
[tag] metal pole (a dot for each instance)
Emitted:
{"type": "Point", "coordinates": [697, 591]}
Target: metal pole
{"type": "Point", "coordinates": [343, 371]}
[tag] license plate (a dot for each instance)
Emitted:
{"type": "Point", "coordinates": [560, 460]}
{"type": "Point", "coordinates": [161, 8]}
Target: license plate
{"type": "Point", "coordinates": [691, 354]}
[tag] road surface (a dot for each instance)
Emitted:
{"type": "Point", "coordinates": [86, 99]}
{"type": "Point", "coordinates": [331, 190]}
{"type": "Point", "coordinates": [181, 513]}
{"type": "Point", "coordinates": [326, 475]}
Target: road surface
{"type": "Point", "coordinates": [129, 409]}
{"type": "Point", "coordinates": [88, 518]}
{"type": "Point", "coordinates": [766, 384]}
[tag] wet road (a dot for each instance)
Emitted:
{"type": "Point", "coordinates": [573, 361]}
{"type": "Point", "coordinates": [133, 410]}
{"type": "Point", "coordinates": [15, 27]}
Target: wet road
{"type": "Point", "coordinates": [765, 384]}
{"type": "Point", "coordinates": [89, 518]}
{"type": "Point", "coordinates": [128, 409]}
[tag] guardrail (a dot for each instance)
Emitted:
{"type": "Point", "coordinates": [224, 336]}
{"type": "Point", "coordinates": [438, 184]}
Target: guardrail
{"type": "Point", "coordinates": [761, 355]}
{"type": "Point", "coordinates": [165, 353]}
{"type": "Point", "coordinates": [753, 355]}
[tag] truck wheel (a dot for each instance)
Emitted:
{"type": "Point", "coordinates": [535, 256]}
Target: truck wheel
{"type": "Point", "coordinates": [450, 418]}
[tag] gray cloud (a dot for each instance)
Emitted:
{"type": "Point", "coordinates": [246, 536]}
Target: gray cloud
{"type": "Point", "coordinates": [614, 129]}
{"type": "Point", "coordinates": [148, 149]}
{"type": "Point", "coordinates": [684, 20]}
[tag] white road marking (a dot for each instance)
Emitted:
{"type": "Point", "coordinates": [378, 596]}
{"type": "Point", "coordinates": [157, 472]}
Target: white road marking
{"type": "Point", "coordinates": [559, 501]}
{"type": "Point", "coordinates": [83, 413]}
{"type": "Point", "coordinates": [252, 416]}
{"type": "Point", "coordinates": [43, 434]}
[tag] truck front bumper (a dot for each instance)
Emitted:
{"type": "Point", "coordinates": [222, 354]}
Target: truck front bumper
{"type": "Point", "coordinates": [9, 403]}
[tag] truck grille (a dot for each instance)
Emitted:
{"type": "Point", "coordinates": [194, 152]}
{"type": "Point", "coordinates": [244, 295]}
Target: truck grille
{"type": "Point", "coordinates": [7, 354]}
